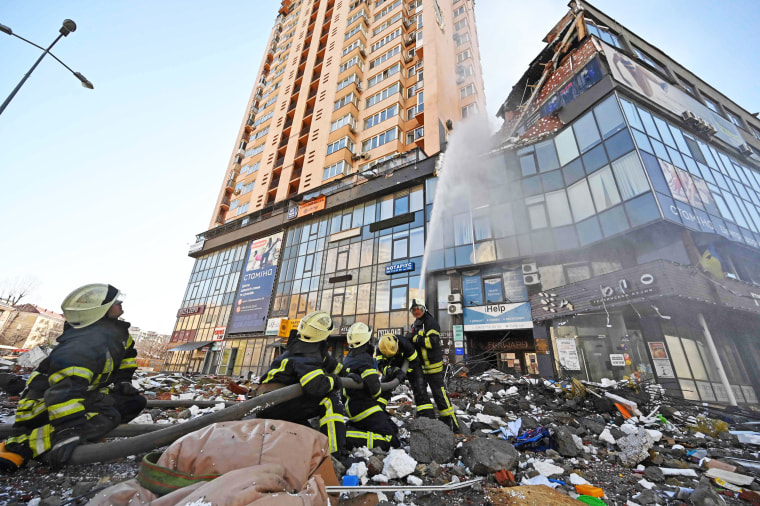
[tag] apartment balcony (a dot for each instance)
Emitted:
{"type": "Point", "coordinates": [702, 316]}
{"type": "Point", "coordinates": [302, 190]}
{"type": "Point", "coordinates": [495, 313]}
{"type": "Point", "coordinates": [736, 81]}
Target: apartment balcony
{"type": "Point", "coordinates": [301, 152]}
{"type": "Point", "coordinates": [279, 162]}
{"type": "Point", "coordinates": [274, 184]}
{"type": "Point", "coordinates": [226, 201]}
{"type": "Point", "coordinates": [308, 112]}
{"type": "Point", "coordinates": [288, 123]}
{"type": "Point", "coordinates": [296, 174]}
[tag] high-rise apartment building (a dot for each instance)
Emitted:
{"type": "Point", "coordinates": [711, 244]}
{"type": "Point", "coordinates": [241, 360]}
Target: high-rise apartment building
{"type": "Point", "coordinates": [347, 91]}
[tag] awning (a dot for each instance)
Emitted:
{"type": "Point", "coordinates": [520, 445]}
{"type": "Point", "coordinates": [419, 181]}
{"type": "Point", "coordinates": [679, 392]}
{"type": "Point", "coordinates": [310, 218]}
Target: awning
{"type": "Point", "coordinates": [190, 346]}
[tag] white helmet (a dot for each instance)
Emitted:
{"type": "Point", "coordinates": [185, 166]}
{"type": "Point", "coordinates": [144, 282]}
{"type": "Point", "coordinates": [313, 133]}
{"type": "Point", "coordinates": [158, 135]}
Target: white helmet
{"type": "Point", "coordinates": [417, 303]}
{"type": "Point", "coordinates": [89, 303]}
{"type": "Point", "coordinates": [358, 334]}
{"type": "Point", "coordinates": [315, 327]}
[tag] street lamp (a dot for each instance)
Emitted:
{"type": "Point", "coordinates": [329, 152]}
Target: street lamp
{"type": "Point", "coordinates": [67, 27]}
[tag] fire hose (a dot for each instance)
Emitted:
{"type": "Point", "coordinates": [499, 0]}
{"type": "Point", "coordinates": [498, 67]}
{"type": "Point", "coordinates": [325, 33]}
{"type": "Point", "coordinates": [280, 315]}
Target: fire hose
{"type": "Point", "coordinates": [99, 452]}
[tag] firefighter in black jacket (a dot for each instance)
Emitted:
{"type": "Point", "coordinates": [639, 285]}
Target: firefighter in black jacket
{"type": "Point", "coordinates": [426, 336]}
{"type": "Point", "coordinates": [307, 362]}
{"type": "Point", "coordinates": [81, 391]}
{"type": "Point", "coordinates": [369, 424]}
{"type": "Point", "coordinates": [394, 350]}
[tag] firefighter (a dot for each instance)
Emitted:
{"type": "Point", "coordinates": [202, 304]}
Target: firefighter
{"type": "Point", "coordinates": [81, 391]}
{"type": "Point", "coordinates": [394, 350]}
{"type": "Point", "coordinates": [369, 424]}
{"type": "Point", "coordinates": [426, 337]}
{"type": "Point", "coordinates": [307, 361]}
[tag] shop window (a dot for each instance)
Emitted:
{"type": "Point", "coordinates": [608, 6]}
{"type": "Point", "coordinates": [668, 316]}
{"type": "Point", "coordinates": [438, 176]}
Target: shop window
{"type": "Point", "coordinates": [537, 212]}
{"type": "Point", "coordinates": [594, 159]}
{"type": "Point", "coordinates": [528, 163]}
{"type": "Point", "coordinates": [573, 171]}
{"type": "Point", "coordinates": [531, 185]}
{"type": "Point", "coordinates": [558, 208]}
{"type": "Point", "coordinates": [619, 144]}
{"type": "Point", "coordinates": [552, 180]}
{"type": "Point", "coordinates": [547, 156]}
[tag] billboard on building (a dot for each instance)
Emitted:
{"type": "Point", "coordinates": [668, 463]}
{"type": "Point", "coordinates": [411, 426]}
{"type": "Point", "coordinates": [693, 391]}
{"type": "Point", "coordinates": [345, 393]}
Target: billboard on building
{"type": "Point", "coordinates": [627, 71]}
{"type": "Point", "coordinates": [249, 313]}
{"type": "Point", "coordinates": [498, 317]}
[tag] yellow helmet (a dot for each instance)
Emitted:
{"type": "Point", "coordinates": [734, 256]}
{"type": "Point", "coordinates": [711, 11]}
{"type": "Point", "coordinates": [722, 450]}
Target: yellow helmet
{"type": "Point", "coordinates": [89, 303]}
{"type": "Point", "coordinates": [315, 327]}
{"type": "Point", "coordinates": [388, 345]}
{"type": "Point", "coordinates": [358, 334]}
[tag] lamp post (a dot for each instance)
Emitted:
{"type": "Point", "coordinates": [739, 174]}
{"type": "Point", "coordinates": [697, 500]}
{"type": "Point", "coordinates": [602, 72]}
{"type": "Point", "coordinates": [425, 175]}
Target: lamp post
{"type": "Point", "coordinates": [67, 27]}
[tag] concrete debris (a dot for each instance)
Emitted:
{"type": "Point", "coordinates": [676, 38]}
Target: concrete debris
{"type": "Point", "coordinates": [526, 431]}
{"type": "Point", "coordinates": [398, 464]}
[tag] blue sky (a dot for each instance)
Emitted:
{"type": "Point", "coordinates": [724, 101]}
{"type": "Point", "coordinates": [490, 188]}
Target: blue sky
{"type": "Point", "coordinates": [112, 184]}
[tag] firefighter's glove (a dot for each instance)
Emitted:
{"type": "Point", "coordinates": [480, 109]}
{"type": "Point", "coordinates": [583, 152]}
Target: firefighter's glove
{"type": "Point", "coordinates": [355, 377]}
{"type": "Point", "coordinates": [337, 384]}
{"type": "Point", "coordinates": [399, 374]}
{"type": "Point", "coordinates": [126, 388]}
{"type": "Point", "coordinates": [65, 442]}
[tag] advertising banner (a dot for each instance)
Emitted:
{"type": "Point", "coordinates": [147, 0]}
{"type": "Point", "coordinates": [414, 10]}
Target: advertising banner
{"type": "Point", "coordinates": [568, 354]}
{"type": "Point", "coordinates": [627, 71]}
{"type": "Point", "coordinates": [255, 289]}
{"type": "Point", "coordinates": [498, 317]}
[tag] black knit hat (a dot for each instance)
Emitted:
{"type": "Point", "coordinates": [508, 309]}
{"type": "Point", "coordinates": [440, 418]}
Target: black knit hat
{"type": "Point", "coordinates": [110, 295]}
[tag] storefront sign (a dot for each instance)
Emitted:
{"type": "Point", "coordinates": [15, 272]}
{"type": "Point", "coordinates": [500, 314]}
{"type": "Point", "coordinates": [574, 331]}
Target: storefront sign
{"type": "Point", "coordinates": [457, 351]}
{"type": "Point", "coordinates": [255, 289]}
{"type": "Point", "coordinates": [217, 346]}
{"type": "Point", "coordinates": [472, 291]}
{"type": "Point", "coordinates": [498, 317]}
{"type": "Point", "coordinates": [663, 368]}
{"type": "Point", "coordinates": [312, 206]}
{"type": "Point", "coordinates": [588, 76]}
{"type": "Point", "coordinates": [617, 360]}
{"type": "Point", "coordinates": [292, 213]}
{"type": "Point", "coordinates": [191, 310]}
{"type": "Point", "coordinates": [510, 344]}
{"type": "Point", "coordinates": [219, 333]}
{"type": "Point", "coordinates": [196, 246]}
{"type": "Point", "coordinates": [346, 234]}
{"type": "Point", "coordinates": [542, 346]}
{"type": "Point", "coordinates": [626, 289]}
{"type": "Point", "coordinates": [458, 344]}
{"type": "Point", "coordinates": [286, 326]}
{"type": "Point", "coordinates": [568, 354]}
{"type": "Point", "coordinates": [458, 333]}
{"type": "Point", "coordinates": [183, 335]}
{"type": "Point", "coordinates": [396, 331]}
{"type": "Point", "coordinates": [402, 267]}
{"type": "Point", "coordinates": [273, 326]}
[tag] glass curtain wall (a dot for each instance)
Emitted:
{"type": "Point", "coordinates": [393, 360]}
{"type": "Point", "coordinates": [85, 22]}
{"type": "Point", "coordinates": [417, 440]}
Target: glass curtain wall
{"type": "Point", "coordinates": [346, 276]}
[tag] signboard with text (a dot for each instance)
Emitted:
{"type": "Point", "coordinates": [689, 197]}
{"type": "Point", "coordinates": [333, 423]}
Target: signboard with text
{"type": "Point", "coordinates": [498, 317]}
{"type": "Point", "coordinates": [255, 290]}
{"type": "Point", "coordinates": [396, 268]}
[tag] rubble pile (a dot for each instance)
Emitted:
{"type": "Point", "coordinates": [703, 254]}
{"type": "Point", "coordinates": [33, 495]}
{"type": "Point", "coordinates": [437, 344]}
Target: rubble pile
{"type": "Point", "coordinates": [530, 440]}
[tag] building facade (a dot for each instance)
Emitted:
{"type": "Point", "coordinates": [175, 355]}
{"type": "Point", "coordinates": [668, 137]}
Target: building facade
{"type": "Point", "coordinates": [26, 326]}
{"type": "Point", "coordinates": [619, 232]}
{"type": "Point", "coordinates": [325, 187]}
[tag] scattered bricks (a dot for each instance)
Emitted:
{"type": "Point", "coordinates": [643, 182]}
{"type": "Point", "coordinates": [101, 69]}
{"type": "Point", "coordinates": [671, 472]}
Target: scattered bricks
{"type": "Point", "coordinates": [717, 464]}
{"type": "Point", "coordinates": [505, 478]}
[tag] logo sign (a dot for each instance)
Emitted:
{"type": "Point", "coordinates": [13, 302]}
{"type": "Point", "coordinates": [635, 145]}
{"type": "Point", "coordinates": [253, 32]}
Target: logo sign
{"type": "Point", "coordinates": [286, 326]}
{"type": "Point", "coordinates": [396, 268]}
{"type": "Point", "coordinates": [395, 331]}
{"type": "Point", "coordinates": [255, 289]}
{"type": "Point", "coordinates": [292, 213]}
{"type": "Point", "coordinates": [219, 333]}
{"type": "Point", "coordinates": [498, 317]}
{"type": "Point", "coordinates": [197, 246]}
{"type": "Point", "coordinates": [458, 351]}
{"type": "Point", "coordinates": [191, 310]}
{"type": "Point", "coordinates": [312, 206]}
{"type": "Point", "coordinates": [617, 360]}
{"type": "Point", "coordinates": [273, 327]}
{"type": "Point", "coordinates": [625, 290]}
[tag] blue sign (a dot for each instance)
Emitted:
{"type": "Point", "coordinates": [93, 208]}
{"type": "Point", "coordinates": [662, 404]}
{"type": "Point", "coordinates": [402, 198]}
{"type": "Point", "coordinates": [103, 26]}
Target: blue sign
{"type": "Point", "coordinates": [498, 317]}
{"type": "Point", "coordinates": [396, 268]}
{"type": "Point", "coordinates": [292, 213]}
{"type": "Point", "coordinates": [249, 312]}
{"type": "Point", "coordinates": [472, 291]}
{"type": "Point", "coordinates": [582, 81]}
{"type": "Point", "coordinates": [458, 351]}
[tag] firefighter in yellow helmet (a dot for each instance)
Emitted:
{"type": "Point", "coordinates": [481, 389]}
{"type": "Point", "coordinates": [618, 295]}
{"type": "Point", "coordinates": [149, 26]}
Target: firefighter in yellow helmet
{"type": "Point", "coordinates": [426, 337]}
{"type": "Point", "coordinates": [83, 390]}
{"type": "Point", "coordinates": [394, 350]}
{"type": "Point", "coordinates": [307, 361]}
{"type": "Point", "coordinates": [369, 424]}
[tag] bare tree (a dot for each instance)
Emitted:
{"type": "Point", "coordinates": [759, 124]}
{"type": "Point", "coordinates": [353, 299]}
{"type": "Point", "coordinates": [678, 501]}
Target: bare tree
{"type": "Point", "coordinates": [14, 289]}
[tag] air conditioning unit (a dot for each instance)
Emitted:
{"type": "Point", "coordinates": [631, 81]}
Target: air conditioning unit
{"type": "Point", "coordinates": [352, 130]}
{"type": "Point", "coordinates": [454, 297]}
{"type": "Point", "coordinates": [745, 149]}
{"type": "Point", "coordinates": [689, 116]}
{"type": "Point", "coordinates": [454, 309]}
{"type": "Point", "coordinates": [365, 155]}
{"type": "Point", "coordinates": [531, 279]}
{"type": "Point", "coordinates": [237, 191]}
{"type": "Point", "coordinates": [531, 268]}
